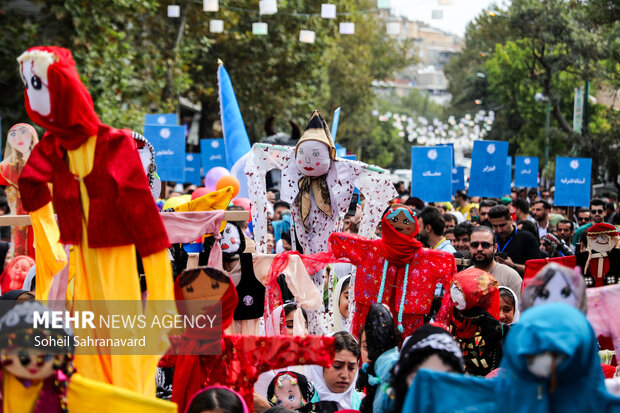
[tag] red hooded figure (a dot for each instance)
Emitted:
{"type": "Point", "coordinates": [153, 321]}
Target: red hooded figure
{"type": "Point", "coordinates": [396, 270]}
{"type": "Point", "coordinates": [103, 203]}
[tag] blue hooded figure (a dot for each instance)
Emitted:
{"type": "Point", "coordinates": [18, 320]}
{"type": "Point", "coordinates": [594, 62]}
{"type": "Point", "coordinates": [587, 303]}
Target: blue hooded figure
{"type": "Point", "coordinates": [550, 364]}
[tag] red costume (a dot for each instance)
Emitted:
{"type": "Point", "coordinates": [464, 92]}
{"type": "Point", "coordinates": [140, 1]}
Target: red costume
{"type": "Point", "coordinates": [381, 266]}
{"type": "Point", "coordinates": [242, 359]}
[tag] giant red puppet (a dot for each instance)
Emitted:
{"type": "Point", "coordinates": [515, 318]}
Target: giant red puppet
{"type": "Point", "coordinates": [396, 270]}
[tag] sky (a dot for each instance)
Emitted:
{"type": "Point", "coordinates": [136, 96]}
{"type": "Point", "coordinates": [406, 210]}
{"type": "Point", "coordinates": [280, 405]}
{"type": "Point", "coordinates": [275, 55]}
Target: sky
{"type": "Point", "coordinates": [455, 17]}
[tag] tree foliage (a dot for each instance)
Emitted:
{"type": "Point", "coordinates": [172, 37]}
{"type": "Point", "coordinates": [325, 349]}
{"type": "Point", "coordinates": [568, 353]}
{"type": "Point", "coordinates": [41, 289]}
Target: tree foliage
{"type": "Point", "coordinates": [549, 47]}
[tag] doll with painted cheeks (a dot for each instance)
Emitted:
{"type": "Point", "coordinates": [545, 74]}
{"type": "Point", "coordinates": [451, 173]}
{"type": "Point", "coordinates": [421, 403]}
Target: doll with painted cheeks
{"type": "Point", "coordinates": [291, 390]}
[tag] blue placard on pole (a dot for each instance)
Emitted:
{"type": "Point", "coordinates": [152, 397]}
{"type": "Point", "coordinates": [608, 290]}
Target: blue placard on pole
{"type": "Point", "coordinates": [212, 153]}
{"type": "Point", "coordinates": [458, 178]}
{"type": "Point", "coordinates": [508, 179]}
{"type": "Point", "coordinates": [169, 144]}
{"type": "Point", "coordinates": [192, 168]}
{"type": "Point", "coordinates": [340, 152]}
{"type": "Point", "coordinates": [488, 169]}
{"type": "Point", "coordinates": [451, 146]}
{"type": "Point", "coordinates": [526, 171]}
{"type": "Point", "coordinates": [161, 119]}
{"type": "Point", "coordinates": [572, 181]}
{"type": "Point", "coordinates": [335, 123]}
{"type": "Point", "coordinates": [352, 157]}
{"type": "Point", "coordinates": [431, 173]}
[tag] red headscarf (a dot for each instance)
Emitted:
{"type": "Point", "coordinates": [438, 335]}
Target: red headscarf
{"type": "Point", "coordinates": [72, 117]}
{"type": "Point", "coordinates": [10, 280]}
{"type": "Point", "coordinates": [481, 291]}
{"type": "Point", "coordinates": [398, 248]}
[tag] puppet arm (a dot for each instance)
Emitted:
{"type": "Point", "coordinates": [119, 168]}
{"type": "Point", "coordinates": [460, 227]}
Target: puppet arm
{"type": "Point", "coordinates": [378, 190]}
{"type": "Point", "coordinates": [353, 247]}
{"type": "Point", "coordinates": [268, 353]}
{"type": "Point", "coordinates": [262, 158]}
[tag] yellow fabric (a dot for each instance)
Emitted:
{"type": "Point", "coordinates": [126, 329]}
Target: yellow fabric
{"type": "Point", "coordinates": [111, 274]}
{"type": "Point", "coordinates": [212, 201]}
{"type": "Point", "coordinates": [85, 395]}
{"type": "Point", "coordinates": [18, 398]}
{"type": "Point", "coordinates": [50, 255]}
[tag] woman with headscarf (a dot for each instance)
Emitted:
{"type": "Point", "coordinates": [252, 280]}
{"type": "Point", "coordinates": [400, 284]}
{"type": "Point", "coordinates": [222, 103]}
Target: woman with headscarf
{"type": "Point", "coordinates": [429, 347]}
{"type": "Point", "coordinates": [335, 385]}
{"type": "Point", "coordinates": [508, 306]}
{"type": "Point", "coordinates": [340, 303]}
{"type": "Point", "coordinates": [379, 340]}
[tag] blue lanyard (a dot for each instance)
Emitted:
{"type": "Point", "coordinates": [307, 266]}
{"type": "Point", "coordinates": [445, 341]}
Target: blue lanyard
{"type": "Point", "coordinates": [508, 242]}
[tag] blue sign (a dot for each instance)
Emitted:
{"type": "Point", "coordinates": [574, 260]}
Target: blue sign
{"type": "Point", "coordinates": [488, 169]}
{"type": "Point", "coordinates": [169, 144]}
{"type": "Point", "coordinates": [340, 152]}
{"type": "Point", "coordinates": [335, 123]}
{"type": "Point", "coordinates": [451, 145]}
{"type": "Point", "coordinates": [352, 157]}
{"type": "Point", "coordinates": [572, 181]}
{"type": "Point", "coordinates": [508, 179]}
{"type": "Point", "coordinates": [212, 153]}
{"type": "Point", "coordinates": [431, 173]}
{"type": "Point", "coordinates": [192, 168]}
{"type": "Point", "coordinates": [458, 178]}
{"type": "Point", "coordinates": [161, 119]}
{"type": "Point", "coordinates": [526, 171]}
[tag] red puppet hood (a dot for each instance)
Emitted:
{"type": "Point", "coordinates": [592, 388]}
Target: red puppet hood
{"type": "Point", "coordinates": [71, 118]}
{"type": "Point", "coordinates": [398, 248]}
{"type": "Point", "coordinates": [480, 290]}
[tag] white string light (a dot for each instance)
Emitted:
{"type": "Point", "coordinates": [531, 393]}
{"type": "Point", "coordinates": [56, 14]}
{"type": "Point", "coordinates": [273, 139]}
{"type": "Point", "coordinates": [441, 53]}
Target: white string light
{"type": "Point", "coordinates": [260, 28]}
{"type": "Point", "coordinates": [174, 11]}
{"type": "Point", "coordinates": [306, 36]}
{"type": "Point", "coordinates": [216, 26]}
{"type": "Point", "coordinates": [328, 11]}
{"type": "Point", "coordinates": [210, 5]}
{"type": "Point", "coordinates": [268, 7]}
{"type": "Point", "coordinates": [347, 28]}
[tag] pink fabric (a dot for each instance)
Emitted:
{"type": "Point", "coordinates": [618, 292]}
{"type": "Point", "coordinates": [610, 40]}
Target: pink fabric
{"type": "Point", "coordinates": [602, 310]}
{"type": "Point", "coordinates": [243, 403]}
{"type": "Point", "coordinates": [188, 226]}
{"type": "Point", "coordinates": [58, 289]}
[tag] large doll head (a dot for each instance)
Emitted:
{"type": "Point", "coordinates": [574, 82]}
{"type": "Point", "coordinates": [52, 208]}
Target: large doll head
{"type": "Point", "coordinates": [315, 150]}
{"type": "Point", "coordinates": [22, 353]}
{"type": "Point", "coordinates": [55, 97]}
{"type": "Point", "coordinates": [290, 390]}
{"type": "Point", "coordinates": [402, 219]}
{"type": "Point", "coordinates": [475, 288]}
{"type": "Point", "coordinates": [555, 283]}
{"type": "Point", "coordinates": [15, 273]}
{"type": "Point", "coordinates": [602, 237]}
{"type": "Point", "coordinates": [19, 143]}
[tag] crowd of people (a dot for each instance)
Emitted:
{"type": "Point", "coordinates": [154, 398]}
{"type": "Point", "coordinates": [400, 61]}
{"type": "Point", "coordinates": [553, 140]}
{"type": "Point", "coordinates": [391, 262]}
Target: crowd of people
{"type": "Point", "coordinates": [325, 305]}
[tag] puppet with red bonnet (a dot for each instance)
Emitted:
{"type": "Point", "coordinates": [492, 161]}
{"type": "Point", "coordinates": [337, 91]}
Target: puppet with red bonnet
{"type": "Point", "coordinates": [396, 270]}
{"type": "Point", "coordinates": [601, 261]}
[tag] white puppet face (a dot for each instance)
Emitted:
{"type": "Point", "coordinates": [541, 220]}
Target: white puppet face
{"type": "Point", "coordinates": [30, 364]}
{"type": "Point", "coordinates": [37, 89]}
{"type": "Point", "coordinates": [458, 298]}
{"type": "Point", "coordinates": [557, 290]}
{"type": "Point", "coordinates": [312, 158]}
{"type": "Point", "coordinates": [287, 392]}
{"type": "Point", "coordinates": [602, 243]}
{"type": "Point", "coordinates": [230, 239]}
{"type": "Point", "coordinates": [20, 138]}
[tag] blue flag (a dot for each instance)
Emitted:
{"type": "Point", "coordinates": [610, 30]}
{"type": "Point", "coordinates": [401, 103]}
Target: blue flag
{"type": "Point", "coordinates": [488, 169]}
{"type": "Point", "coordinates": [508, 179]}
{"type": "Point", "coordinates": [335, 123]}
{"type": "Point", "coordinates": [526, 171]}
{"type": "Point", "coordinates": [431, 173]}
{"type": "Point", "coordinates": [212, 153]}
{"type": "Point", "coordinates": [192, 169]}
{"type": "Point", "coordinates": [572, 181]}
{"type": "Point", "coordinates": [458, 178]}
{"type": "Point", "coordinates": [233, 128]}
{"type": "Point", "coordinates": [169, 145]}
{"type": "Point", "coordinates": [161, 119]}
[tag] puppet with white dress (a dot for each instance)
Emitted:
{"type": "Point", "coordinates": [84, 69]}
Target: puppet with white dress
{"type": "Point", "coordinates": [319, 187]}
{"type": "Point", "coordinates": [19, 143]}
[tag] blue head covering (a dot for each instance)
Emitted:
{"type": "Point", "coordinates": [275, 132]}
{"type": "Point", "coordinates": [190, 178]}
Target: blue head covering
{"type": "Point", "coordinates": [557, 328]}
{"type": "Point", "coordinates": [281, 226]}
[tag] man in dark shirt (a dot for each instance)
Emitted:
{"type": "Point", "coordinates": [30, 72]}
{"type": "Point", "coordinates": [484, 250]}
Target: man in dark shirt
{"type": "Point", "coordinates": [513, 247]}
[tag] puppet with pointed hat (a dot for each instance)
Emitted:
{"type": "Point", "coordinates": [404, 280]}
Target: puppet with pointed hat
{"type": "Point", "coordinates": [319, 187]}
